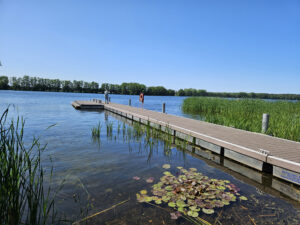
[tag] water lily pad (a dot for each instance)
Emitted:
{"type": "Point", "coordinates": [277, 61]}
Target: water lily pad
{"type": "Point", "coordinates": [148, 199]}
{"type": "Point", "coordinates": [243, 198]}
{"type": "Point", "coordinates": [140, 198]}
{"type": "Point", "coordinates": [166, 166]}
{"type": "Point", "coordinates": [193, 169]}
{"type": "Point", "coordinates": [208, 211]}
{"type": "Point", "coordinates": [167, 173]}
{"type": "Point", "coordinates": [180, 204]}
{"type": "Point", "coordinates": [165, 198]}
{"type": "Point", "coordinates": [169, 188]}
{"type": "Point", "coordinates": [179, 167]}
{"type": "Point", "coordinates": [192, 213]}
{"type": "Point", "coordinates": [172, 204]}
{"type": "Point", "coordinates": [181, 210]}
{"type": "Point", "coordinates": [158, 201]}
{"type": "Point", "coordinates": [143, 192]}
{"type": "Point", "coordinates": [194, 208]}
{"type": "Point", "coordinates": [225, 202]}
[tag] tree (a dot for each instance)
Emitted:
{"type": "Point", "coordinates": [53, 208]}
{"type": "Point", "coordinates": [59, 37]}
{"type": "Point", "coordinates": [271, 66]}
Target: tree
{"type": "Point", "coordinates": [4, 83]}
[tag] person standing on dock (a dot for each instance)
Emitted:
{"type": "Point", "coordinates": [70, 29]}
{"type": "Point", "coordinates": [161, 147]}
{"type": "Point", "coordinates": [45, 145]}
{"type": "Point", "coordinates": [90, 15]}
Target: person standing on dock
{"type": "Point", "coordinates": [106, 96]}
{"type": "Point", "coordinates": [142, 99]}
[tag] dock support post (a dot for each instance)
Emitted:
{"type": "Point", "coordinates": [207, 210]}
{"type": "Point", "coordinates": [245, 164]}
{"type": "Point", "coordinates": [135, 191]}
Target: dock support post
{"type": "Point", "coordinates": [129, 102]}
{"type": "Point", "coordinates": [108, 99]}
{"type": "Point", "coordinates": [265, 123]}
{"type": "Point", "coordinates": [164, 107]}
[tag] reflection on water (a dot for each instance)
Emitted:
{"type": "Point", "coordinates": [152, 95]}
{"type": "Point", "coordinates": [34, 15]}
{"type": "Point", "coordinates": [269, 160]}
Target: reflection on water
{"type": "Point", "coordinates": [99, 173]}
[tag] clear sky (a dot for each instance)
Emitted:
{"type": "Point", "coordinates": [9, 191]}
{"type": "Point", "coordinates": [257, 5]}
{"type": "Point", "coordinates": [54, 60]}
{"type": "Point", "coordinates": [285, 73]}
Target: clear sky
{"type": "Point", "coordinates": [214, 45]}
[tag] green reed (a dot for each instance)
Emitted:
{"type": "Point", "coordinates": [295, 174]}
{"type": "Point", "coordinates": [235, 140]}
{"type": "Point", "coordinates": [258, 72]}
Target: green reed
{"type": "Point", "coordinates": [247, 114]}
{"type": "Point", "coordinates": [96, 131]}
{"type": "Point", "coordinates": [23, 196]}
{"type": "Point", "coordinates": [109, 129]}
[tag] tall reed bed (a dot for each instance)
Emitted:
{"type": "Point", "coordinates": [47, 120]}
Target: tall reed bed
{"type": "Point", "coordinates": [247, 114]}
{"type": "Point", "coordinates": [23, 196]}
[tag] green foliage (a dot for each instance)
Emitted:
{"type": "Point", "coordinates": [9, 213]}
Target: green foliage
{"type": "Point", "coordinates": [247, 114]}
{"type": "Point", "coordinates": [23, 198]}
{"type": "Point", "coordinates": [27, 83]}
{"type": "Point", "coordinates": [204, 93]}
{"type": "Point", "coordinates": [4, 83]}
{"type": "Point", "coordinates": [96, 131]}
{"type": "Point", "coordinates": [190, 192]}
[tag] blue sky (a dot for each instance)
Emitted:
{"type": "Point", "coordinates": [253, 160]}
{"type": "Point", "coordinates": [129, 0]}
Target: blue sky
{"type": "Point", "coordinates": [214, 45]}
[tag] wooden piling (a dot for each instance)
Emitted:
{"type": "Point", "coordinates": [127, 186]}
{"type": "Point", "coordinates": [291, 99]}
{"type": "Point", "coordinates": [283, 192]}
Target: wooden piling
{"type": "Point", "coordinates": [164, 107]}
{"type": "Point", "coordinates": [265, 123]}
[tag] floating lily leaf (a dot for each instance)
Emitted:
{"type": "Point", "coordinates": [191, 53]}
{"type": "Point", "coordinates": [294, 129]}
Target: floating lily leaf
{"type": "Point", "coordinates": [193, 169]}
{"type": "Point", "coordinates": [167, 173]}
{"type": "Point", "coordinates": [165, 198]}
{"type": "Point", "coordinates": [243, 198]}
{"type": "Point", "coordinates": [192, 213]}
{"type": "Point", "coordinates": [179, 167]}
{"type": "Point", "coordinates": [208, 211]}
{"type": "Point", "coordinates": [172, 204]}
{"type": "Point", "coordinates": [225, 202]}
{"type": "Point", "coordinates": [181, 210]}
{"type": "Point", "coordinates": [150, 180]}
{"type": "Point", "coordinates": [158, 201]}
{"type": "Point", "coordinates": [194, 208]}
{"type": "Point", "coordinates": [166, 166]}
{"type": "Point", "coordinates": [169, 188]}
{"type": "Point", "coordinates": [140, 198]}
{"type": "Point", "coordinates": [148, 199]}
{"type": "Point", "coordinates": [136, 178]}
{"type": "Point", "coordinates": [154, 198]}
{"type": "Point", "coordinates": [143, 192]}
{"type": "Point", "coordinates": [180, 204]}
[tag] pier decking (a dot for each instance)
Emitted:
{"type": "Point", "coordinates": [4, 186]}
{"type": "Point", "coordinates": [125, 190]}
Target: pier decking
{"type": "Point", "coordinates": [259, 151]}
{"type": "Point", "coordinates": [95, 104]}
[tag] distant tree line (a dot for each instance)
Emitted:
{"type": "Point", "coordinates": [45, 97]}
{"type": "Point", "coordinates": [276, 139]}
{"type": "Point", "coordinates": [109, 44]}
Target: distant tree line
{"type": "Point", "coordinates": [27, 83]}
{"type": "Point", "coordinates": [195, 92]}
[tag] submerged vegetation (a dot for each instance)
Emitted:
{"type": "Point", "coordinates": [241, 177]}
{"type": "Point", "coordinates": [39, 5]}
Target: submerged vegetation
{"type": "Point", "coordinates": [247, 114]}
{"type": "Point", "coordinates": [23, 196]}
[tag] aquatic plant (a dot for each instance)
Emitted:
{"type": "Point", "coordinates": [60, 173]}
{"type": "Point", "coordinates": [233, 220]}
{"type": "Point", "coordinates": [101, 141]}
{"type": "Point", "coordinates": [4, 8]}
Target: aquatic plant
{"type": "Point", "coordinates": [247, 114]}
{"type": "Point", "coordinates": [96, 131]}
{"type": "Point", "coordinates": [23, 196]}
{"type": "Point", "coordinates": [190, 192]}
{"type": "Point", "coordinates": [109, 129]}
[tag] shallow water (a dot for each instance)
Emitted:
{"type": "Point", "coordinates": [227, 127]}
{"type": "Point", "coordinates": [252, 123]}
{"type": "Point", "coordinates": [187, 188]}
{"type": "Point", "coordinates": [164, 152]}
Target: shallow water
{"type": "Point", "coordinates": [98, 174]}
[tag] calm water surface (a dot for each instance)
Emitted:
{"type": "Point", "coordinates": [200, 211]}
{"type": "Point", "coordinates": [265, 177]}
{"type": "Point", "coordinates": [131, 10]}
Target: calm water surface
{"type": "Point", "coordinates": [98, 174]}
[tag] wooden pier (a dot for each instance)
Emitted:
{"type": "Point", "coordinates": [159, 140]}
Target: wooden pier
{"type": "Point", "coordinates": [262, 152]}
{"type": "Point", "coordinates": [94, 104]}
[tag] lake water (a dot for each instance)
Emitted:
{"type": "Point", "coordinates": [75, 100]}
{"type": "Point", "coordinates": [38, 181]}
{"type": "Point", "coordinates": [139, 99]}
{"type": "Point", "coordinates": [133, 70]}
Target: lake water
{"type": "Point", "coordinates": [99, 173]}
